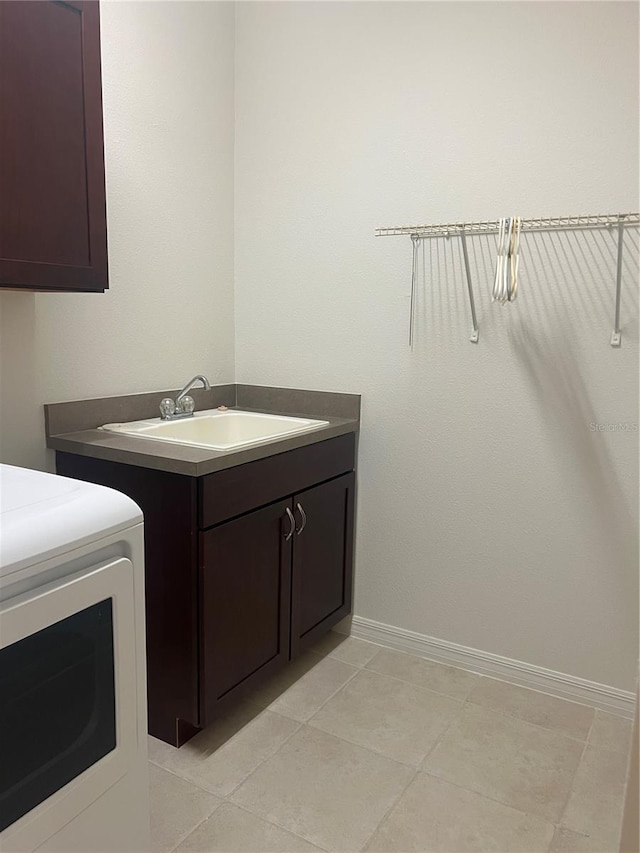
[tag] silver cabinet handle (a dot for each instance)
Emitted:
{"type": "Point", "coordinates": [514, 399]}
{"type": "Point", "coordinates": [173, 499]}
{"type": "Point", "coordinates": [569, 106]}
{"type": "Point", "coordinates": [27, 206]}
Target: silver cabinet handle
{"type": "Point", "coordinates": [292, 525]}
{"type": "Point", "coordinates": [303, 517]}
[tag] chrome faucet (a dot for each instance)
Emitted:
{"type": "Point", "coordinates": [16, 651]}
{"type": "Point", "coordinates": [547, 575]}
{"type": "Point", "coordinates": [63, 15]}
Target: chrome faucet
{"type": "Point", "coordinates": [183, 406]}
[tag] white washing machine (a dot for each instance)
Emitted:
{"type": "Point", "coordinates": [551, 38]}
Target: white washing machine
{"type": "Point", "coordinates": [73, 717]}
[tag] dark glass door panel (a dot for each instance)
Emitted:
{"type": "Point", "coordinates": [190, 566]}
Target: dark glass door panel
{"type": "Point", "coordinates": [57, 708]}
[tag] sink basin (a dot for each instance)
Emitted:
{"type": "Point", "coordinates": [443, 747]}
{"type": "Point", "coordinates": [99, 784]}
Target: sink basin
{"type": "Point", "coordinates": [219, 430]}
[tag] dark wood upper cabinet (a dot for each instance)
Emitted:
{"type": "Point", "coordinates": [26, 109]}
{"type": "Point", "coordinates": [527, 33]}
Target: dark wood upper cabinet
{"type": "Point", "coordinates": [53, 233]}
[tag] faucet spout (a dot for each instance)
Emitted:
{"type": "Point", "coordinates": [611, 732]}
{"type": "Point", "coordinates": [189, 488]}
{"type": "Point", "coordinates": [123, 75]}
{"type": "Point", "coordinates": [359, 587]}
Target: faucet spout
{"type": "Point", "coordinates": [191, 384]}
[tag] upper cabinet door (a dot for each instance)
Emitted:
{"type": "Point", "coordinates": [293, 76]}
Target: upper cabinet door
{"type": "Point", "coordinates": [53, 232]}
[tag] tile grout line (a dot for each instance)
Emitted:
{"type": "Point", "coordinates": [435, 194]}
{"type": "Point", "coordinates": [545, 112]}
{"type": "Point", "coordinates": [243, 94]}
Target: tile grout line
{"type": "Point", "coordinates": [484, 676]}
{"type": "Point", "coordinates": [434, 775]}
{"type": "Point", "coordinates": [366, 748]}
{"type": "Point", "coordinates": [575, 772]}
{"type": "Point", "coordinates": [262, 686]}
{"type": "Point", "coordinates": [356, 640]}
{"type": "Point", "coordinates": [605, 844]}
{"type": "Point", "coordinates": [441, 735]}
{"type": "Point", "coordinates": [307, 722]}
{"type": "Point", "coordinates": [277, 825]}
{"type": "Point", "coordinates": [351, 663]}
{"type": "Point", "coordinates": [255, 769]}
{"type": "Point", "coordinates": [417, 770]}
{"type": "Point", "coordinates": [366, 668]}
{"type": "Point", "coordinates": [320, 707]}
{"type": "Point", "coordinates": [557, 824]}
{"type": "Point", "coordinates": [593, 721]}
{"type": "Point", "coordinates": [266, 758]}
{"type": "Point", "coordinates": [528, 723]}
{"type": "Point", "coordinates": [624, 710]}
{"type": "Point", "coordinates": [587, 745]}
{"type": "Point", "coordinates": [300, 724]}
{"type": "Point", "coordinates": [223, 797]}
{"type": "Point", "coordinates": [419, 686]}
{"type": "Point", "coordinates": [483, 796]}
{"type": "Point", "coordinates": [389, 810]}
{"type": "Point", "coordinates": [226, 797]}
{"type": "Point", "coordinates": [203, 758]}
{"type": "Point", "coordinates": [193, 829]}
{"type": "Point", "coordinates": [474, 675]}
{"type": "Point", "coordinates": [184, 779]}
{"type": "Point", "coordinates": [467, 700]}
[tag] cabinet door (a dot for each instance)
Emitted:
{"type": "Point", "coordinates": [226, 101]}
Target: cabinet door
{"type": "Point", "coordinates": [52, 204]}
{"type": "Point", "coordinates": [322, 559]}
{"type": "Point", "coordinates": [245, 598]}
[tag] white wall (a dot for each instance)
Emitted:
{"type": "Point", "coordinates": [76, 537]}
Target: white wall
{"type": "Point", "coordinates": [168, 117]}
{"type": "Point", "coordinates": [489, 512]}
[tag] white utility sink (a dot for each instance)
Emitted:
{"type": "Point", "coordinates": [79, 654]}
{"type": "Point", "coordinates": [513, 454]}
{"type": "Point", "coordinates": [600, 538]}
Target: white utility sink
{"type": "Point", "coordinates": [219, 430]}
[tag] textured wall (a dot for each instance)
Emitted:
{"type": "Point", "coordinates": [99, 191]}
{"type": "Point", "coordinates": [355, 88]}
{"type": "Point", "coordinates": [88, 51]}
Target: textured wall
{"type": "Point", "coordinates": [490, 513]}
{"type": "Point", "coordinates": [168, 118]}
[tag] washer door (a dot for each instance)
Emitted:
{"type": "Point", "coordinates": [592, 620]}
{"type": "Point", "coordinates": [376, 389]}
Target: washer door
{"type": "Point", "coordinates": [68, 711]}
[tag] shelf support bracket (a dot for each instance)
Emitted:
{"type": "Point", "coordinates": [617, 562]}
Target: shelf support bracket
{"type": "Point", "coordinates": [414, 283]}
{"type": "Point", "coordinates": [474, 333]}
{"type": "Point", "coordinates": [616, 335]}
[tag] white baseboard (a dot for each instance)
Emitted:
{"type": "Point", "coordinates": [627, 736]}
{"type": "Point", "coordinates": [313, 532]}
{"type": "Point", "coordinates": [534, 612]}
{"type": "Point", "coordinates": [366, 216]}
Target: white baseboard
{"type": "Point", "coordinates": [558, 684]}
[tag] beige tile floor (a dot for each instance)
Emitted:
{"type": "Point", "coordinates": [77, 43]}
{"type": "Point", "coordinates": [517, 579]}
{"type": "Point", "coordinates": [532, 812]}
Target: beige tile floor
{"type": "Point", "coordinates": [355, 747]}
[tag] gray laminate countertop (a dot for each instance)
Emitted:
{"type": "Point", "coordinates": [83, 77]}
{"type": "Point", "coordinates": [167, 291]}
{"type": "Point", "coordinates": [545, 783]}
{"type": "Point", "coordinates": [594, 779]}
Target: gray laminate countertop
{"type": "Point", "coordinates": [73, 427]}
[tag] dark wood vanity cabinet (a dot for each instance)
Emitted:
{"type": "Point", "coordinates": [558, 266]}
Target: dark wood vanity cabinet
{"type": "Point", "coordinates": [53, 233]}
{"type": "Point", "coordinates": [245, 567]}
{"type": "Point", "coordinates": [271, 582]}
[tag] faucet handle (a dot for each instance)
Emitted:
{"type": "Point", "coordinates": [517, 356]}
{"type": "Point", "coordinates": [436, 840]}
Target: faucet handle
{"type": "Point", "coordinates": [187, 405]}
{"type": "Point", "coordinates": [167, 408]}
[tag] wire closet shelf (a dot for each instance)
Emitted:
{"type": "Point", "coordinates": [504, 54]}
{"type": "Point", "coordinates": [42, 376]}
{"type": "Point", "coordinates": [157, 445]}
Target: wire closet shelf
{"type": "Point", "coordinates": [620, 221]}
